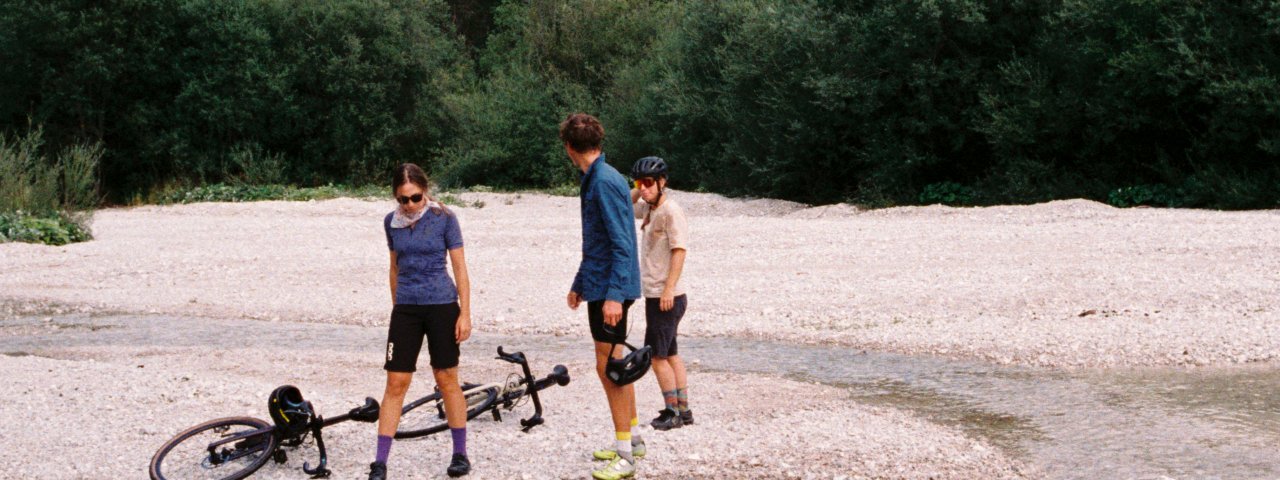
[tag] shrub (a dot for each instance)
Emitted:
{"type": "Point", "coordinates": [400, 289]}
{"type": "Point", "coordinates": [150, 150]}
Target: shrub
{"type": "Point", "coordinates": [947, 193]}
{"type": "Point", "coordinates": [51, 229]}
{"type": "Point", "coordinates": [1149, 195]}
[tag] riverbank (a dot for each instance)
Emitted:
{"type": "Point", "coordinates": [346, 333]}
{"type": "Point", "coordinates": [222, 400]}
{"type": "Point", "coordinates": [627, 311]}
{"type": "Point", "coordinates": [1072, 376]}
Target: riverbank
{"type": "Point", "coordinates": [1061, 284]}
{"type": "Point", "coordinates": [121, 385]}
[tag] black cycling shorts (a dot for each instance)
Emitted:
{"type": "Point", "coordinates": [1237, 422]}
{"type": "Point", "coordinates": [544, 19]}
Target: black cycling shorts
{"type": "Point", "coordinates": [604, 333]}
{"type": "Point", "coordinates": [409, 324]}
{"type": "Point", "coordinates": [660, 327]}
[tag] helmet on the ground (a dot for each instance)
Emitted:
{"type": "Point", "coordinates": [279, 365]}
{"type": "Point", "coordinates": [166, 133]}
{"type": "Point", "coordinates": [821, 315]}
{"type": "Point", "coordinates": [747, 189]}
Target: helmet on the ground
{"type": "Point", "coordinates": [649, 167]}
{"type": "Point", "coordinates": [629, 368]}
{"type": "Point", "coordinates": [291, 414]}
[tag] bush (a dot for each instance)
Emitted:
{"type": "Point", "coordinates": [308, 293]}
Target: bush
{"type": "Point", "coordinates": [220, 192]}
{"type": "Point", "coordinates": [1149, 195]}
{"type": "Point", "coordinates": [947, 193]}
{"type": "Point", "coordinates": [51, 229]}
{"type": "Point", "coordinates": [38, 196]}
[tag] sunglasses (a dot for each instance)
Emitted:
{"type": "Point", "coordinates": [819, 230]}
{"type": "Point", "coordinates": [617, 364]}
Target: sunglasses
{"type": "Point", "coordinates": [417, 197]}
{"type": "Point", "coordinates": [645, 182]}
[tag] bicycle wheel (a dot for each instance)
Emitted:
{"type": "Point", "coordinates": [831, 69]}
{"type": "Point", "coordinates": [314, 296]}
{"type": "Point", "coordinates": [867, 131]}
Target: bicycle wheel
{"type": "Point", "coordinates": [186, 455]}
{"type": "Point", "coordinates": [425, 415]}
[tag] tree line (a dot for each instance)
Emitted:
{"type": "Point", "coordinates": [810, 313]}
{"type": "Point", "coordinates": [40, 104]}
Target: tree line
{"type": "Point", "coordinates": [880, 102]}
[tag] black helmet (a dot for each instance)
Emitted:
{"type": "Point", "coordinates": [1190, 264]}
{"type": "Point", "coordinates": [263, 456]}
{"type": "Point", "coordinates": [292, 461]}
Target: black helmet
{"type": "Point", "coordinates": [629, 368]}
{"type": "Point", "coordinates": [289, 411]}
{"type": "Point", "coordinates": [649, 167]}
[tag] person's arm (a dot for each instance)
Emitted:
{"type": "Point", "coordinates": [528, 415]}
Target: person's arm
{"type": "Point", "coordinates": [395, 270]}
{"type": "Point", "coordinates": [574, 298]}
{"type": "Point", "coordinates": [638, 208]}
{"type": "Point", "coordinates": [575, 291]}
{"type": "Point", "coordinates": [668, 290]}
{"type": "Point", "coordinates": [677, 228]}
{"type": "Point", "coordinates": [614, 212]}
{"type": "Point", "coordinates": [463, 329]}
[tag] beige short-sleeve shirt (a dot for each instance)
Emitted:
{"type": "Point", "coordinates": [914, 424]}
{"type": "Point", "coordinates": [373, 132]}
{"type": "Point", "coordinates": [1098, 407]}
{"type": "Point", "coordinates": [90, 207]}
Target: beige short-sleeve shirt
{"type": "Point", "coordinates": [668, 229]}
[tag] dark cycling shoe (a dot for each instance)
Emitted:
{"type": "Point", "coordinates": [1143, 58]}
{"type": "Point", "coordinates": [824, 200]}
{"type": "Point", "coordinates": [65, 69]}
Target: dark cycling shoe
{"type": "Point", "coordinates": [377, 471]}
{"type": "Point", "coordinates": [686, 417]}
{"type": "Point", "coordinates": [667, 420]}
{"type": "Point", "coordinates": [459, 466]}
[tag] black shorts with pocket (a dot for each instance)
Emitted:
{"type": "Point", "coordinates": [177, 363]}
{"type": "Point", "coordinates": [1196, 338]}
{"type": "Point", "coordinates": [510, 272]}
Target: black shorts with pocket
{"type": "Point", "coordinates": [660, 327]}
{"type": "Point", "coordinates": [410, 323]}
{"type": "Point", "coordinates": [604, 333]}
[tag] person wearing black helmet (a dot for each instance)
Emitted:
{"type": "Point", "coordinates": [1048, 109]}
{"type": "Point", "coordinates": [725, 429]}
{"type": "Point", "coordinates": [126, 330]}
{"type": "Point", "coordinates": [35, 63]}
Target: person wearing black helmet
{"type": "Point", "coordinates": [608, 279]}
{"type": "Point", "coordinates": [665, 243]}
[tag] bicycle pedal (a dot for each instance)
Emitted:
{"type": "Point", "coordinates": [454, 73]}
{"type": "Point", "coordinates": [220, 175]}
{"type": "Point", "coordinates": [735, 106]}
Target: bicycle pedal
{"type": "Point", "coordinates": [280, 456]}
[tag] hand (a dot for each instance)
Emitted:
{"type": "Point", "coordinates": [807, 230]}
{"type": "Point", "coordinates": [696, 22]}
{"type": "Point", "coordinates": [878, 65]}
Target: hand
{"type": "Point", "coordinates": [667, 301]}
{"type": "Point", "coordinates": [462, 331]}
{"type": "Point", "coordinates": [574, 300]}
{"type": "Point", "coordinates": [612, 313]}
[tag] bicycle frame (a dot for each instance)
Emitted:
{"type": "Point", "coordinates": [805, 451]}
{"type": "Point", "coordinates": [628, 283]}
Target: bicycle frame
{"type": "Point", "coordinates": [507, 394]}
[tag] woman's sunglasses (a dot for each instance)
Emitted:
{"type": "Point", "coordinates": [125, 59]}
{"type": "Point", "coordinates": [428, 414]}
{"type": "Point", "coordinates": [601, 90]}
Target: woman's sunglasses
{"type": "Point", "coordinates": [417, 197]}
{"type": "Point", "coordinates": [645, 182]}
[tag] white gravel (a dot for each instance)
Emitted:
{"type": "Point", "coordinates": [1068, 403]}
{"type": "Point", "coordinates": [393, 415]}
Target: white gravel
{"type": "Point", "coordinates": [1070, 283]}
{"type": "Point", "coordinates": [100, 409]}
{"type": "Point", "coordinates": [1066, 283]}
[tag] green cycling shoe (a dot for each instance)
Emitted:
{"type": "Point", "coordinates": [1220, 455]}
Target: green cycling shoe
{"type": "Point", "coordinates": [637, 451]}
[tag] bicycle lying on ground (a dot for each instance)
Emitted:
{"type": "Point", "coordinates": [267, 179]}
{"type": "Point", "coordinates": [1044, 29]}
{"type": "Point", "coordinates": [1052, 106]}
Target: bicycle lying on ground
{"type": "Point", "coordinates": [425, 415]}
{"type": "Point", "coordinates": [233, 448]}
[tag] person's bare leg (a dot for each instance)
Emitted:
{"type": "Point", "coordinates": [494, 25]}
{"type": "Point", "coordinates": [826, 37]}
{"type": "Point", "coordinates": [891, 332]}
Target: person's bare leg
{"type": "Point", "coordinates": [677, 369]}
{"type": "Point", "coordinates": [619, 408]}
{"type": "Point", "coordinates": [392, 402]}
{"type": "Point", "coordinates": [666, 376]}
{"type": "Point", "coordinates": [455, 403]}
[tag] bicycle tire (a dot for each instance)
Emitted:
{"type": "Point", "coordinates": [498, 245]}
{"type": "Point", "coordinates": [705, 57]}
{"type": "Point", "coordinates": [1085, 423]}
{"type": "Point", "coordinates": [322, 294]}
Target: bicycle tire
{"type": "Point", "coordinates": [423, 417]}
{"type": "Point", "coordinates": [162, 470]}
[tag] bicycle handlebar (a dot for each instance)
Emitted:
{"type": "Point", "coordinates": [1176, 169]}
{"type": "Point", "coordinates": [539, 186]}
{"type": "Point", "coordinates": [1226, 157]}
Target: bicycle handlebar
{"type": "Point", "coordinates": [518, 358]}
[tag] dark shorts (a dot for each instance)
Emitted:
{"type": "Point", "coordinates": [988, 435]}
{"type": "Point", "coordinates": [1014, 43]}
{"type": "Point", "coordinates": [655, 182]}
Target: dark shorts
{"type": "Point", "coordinates": [409, 324]}
{"type": "Point", "coordinates": [604, 333]}
{"type": "Point", "coordinates": [660, 327]}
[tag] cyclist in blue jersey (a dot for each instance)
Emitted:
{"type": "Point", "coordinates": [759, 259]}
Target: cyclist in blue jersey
{"type": "Point", "coordinates": [426, 303]}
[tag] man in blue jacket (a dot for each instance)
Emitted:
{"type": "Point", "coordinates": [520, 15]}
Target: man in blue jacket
{"type": "Point", "coordinates": [608, 279]}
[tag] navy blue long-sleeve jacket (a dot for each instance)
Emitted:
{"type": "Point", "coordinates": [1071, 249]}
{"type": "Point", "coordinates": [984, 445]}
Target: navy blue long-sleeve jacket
{"type": "Point", "coordinates": [610, 268]}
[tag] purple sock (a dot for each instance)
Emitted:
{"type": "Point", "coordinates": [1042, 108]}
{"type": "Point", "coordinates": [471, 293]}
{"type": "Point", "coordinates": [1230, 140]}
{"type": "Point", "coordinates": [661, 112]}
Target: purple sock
{"type": "Point", "coordinates": [384, 448]}
{"type": "Point", "coordinates": [459, 440]}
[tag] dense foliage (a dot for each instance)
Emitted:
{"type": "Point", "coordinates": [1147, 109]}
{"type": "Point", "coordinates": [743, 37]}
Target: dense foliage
{"type": "Point", "coordinates": [966, 102]}
{"type": "Point", "coordinates": [46, 198]}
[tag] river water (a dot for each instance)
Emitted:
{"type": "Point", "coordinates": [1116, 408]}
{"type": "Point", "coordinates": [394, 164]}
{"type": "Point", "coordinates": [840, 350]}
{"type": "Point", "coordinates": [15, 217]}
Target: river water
{"type": "Point", "coordinates": [1148, 423]}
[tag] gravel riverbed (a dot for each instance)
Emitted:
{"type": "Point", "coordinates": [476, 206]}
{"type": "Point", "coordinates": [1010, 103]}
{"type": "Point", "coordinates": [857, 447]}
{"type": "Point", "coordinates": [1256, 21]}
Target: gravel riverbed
{"type": "Point", "coordinates": [1065, 283]}
{"type": "Point", "coordinates": [165, 320]}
